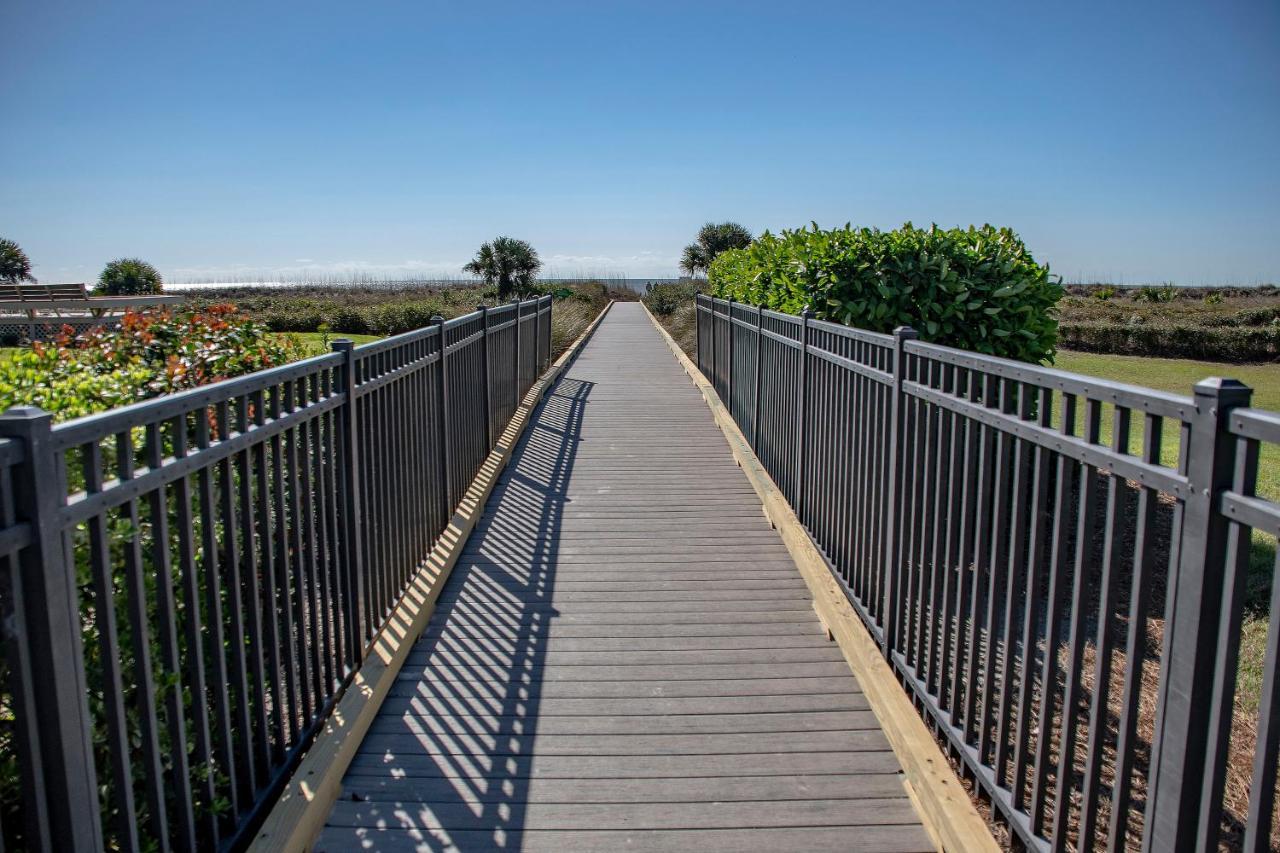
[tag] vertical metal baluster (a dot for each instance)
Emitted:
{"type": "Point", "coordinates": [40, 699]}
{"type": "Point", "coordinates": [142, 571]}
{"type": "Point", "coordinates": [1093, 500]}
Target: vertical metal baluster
{"type": "Point", "coordinates": [1086, 514]}
{"type": "Point", "coordinates": [515, 360]}
{"type": "Point", "coordinates": [1059, 586]}
{"type": "Point", "coordinates": [484, 378]}
{"type": "Point", "coordinates": [284, 574]}
{"type": "Point", "coordinates": [194, 665]}
{"type": "Point", "coordinates": [802, 406]}
{"type": "Point", "coordinates": [145, 693]}
{"type": "Point", "coordinates": [269, 583]}
{"type": "Point", "coordinates": [1036, 570]}
{"type": "Point", "coordinates": [212, 570]}
{"type": "Point", "coordinates": [1023, 453]}
{"type": "Point", "coordinates": [1144, 565]}
{"type": "Point", "coordinates": [1098, 705]}
{"type": "Point", "coordinates": [167, 617]}
{"type": "Point", "coordinates": [252, 599]}
{"type": "Point", "coordinates": [894, 504]}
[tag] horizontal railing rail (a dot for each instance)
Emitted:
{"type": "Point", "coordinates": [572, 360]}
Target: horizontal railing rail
{"type": "Point", "coordinates": [1057, 567]}
{"type": "Point", "coordinates": [189, 584]}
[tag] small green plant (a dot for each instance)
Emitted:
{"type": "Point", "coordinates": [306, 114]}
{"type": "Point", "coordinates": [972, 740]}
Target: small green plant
{"type": "Point", "coordinates": [15, 266]}
{"type": "Point", "coordinates": [129, 277]}
{"type": "Point", "coordinates": [324, 329]}
{"type": "Point", "coordinates": [1214, 298]}
{"type": "Point", "coordinates": [1165, 293]}
{"type": "Point", "coordinates": [1104, 293]}
{"type": "Point", "coordinates": [665, 298]}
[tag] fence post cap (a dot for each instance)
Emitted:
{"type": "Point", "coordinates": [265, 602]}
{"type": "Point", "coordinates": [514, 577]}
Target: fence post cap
{"type": "Point", "coordinates": [436, 318]}
{"type": "Point", "coordinates": [482, 307]}
{"type": "Point", "coordinates": [1218, 392]}
{"type": "Point", "coordinates": [806, 312]}
{"type": "Point", "coordinates": [25, 413]}
{"type": "Point", "coordinates": [342, 344]}
{"type": "Point", "coordinates": [905, 332]}
{"type": "Point", "coordinates": [1218, 386]}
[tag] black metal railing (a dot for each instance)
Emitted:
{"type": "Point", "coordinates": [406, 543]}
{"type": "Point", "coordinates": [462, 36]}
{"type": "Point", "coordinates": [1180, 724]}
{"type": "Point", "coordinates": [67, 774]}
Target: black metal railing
{"type": "Point", "coordinates": [188, 584]}
{"type": "Point", "coordinates": [1057, 567]}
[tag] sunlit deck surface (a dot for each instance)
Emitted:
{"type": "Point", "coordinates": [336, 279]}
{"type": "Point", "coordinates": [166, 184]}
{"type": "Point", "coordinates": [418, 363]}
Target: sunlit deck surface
{"type": "Point", "coordinates": [625, 656]}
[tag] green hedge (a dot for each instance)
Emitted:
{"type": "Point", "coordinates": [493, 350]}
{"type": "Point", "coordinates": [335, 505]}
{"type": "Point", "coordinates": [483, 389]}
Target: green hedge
{"type": "Point", "coordinates": [974, 288]}
{"type": "Point", "coordinates": [1218, 343]}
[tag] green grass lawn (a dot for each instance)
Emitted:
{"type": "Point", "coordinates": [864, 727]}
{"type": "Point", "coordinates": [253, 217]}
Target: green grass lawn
{"type": "Point", "coordinates": [315, 342]}
{"type": "Point", "coordinates": [1177, 376]}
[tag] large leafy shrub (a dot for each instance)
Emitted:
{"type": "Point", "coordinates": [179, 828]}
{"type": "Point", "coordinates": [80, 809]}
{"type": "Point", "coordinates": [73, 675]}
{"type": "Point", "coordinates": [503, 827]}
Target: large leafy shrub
{"type": "Point", "coordinates": [152, 353]}
{"type": "Point", "coordinates": [129, 277]}
{"type": "Point", "coordinates": [974, 288]}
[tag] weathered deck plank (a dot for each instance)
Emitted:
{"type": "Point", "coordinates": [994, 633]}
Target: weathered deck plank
{"type": "Point", "coordinates": [625, 656]}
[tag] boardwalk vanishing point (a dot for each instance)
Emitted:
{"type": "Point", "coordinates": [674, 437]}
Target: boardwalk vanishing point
{"type": "Point", "coordinates": [625, 656]}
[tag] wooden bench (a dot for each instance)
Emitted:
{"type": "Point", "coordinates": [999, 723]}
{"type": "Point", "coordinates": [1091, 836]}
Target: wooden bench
{"type": "Point", "coordinates": [28, 298]}
{"type": "Point", "coordinates": [32, 309]}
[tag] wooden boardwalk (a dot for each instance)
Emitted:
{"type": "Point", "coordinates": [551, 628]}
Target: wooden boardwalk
{"type": "Point", "coordinates": [625, 656]}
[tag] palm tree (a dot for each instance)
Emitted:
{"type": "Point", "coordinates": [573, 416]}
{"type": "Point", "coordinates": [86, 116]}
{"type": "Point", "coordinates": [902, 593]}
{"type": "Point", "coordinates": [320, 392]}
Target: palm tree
{"type": "Point", "coordinates": [713, 239]}
{"type": "Point", "coordinates": [15, 266]}
{"type": "Point", "coordinates": [692, 260]}
{"type": "Point", "coordinates": [509, 263]}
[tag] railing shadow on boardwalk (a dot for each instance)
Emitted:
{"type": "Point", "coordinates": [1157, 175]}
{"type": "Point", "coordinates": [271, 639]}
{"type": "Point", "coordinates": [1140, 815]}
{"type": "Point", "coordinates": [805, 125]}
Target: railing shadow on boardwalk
{"type": "Point", "coordinates": [469, 696]}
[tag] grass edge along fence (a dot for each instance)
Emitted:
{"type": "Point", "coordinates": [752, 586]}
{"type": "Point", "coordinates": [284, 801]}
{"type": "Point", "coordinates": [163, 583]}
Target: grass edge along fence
{"type": "Point", "coordinates": [189, 584]}
{"type": "Point", "coordinates": [1008, 567]}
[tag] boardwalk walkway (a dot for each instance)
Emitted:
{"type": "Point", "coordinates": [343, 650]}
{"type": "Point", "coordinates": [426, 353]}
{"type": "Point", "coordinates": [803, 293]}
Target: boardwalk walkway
{"type": "Point", "coordinates": [625, 656]}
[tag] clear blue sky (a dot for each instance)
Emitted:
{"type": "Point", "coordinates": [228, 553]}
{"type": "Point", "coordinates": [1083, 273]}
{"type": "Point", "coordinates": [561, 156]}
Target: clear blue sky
{"type": "Point", "coordinates": [1128, 141]}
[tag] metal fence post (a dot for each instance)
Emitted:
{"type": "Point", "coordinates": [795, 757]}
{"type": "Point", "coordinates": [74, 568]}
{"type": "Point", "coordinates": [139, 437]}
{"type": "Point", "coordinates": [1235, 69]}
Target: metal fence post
{"type": "Point", "coordinates": [352, 521]}
{"type": "Point", "coordinates": [728, 382]}
{"type": "Point", "coordinates": [755, 418]}
{"type": "Point", "coordinates": [484, 372]}
{"type": "Point", "coordinates": [546, 359]}
{"type": "Point", "coordinates": [1179, 777]}
{"type": "Point", "coordinates": [893, 499]}
{"type": "Point", "coordinates": [442, 405]}
{"type": "Point", "coordinates": [515, 380]}
{"type": "Point", "coordinates": [697, 331]}
{"type": "Point", "coordinates": [715, 372]}
{"type": "Point", "coordinates": [66, 811]}
{"type": "Point", "coordinates": [802, 397]}
{"type": "Point", "coordinates": [537, 331]}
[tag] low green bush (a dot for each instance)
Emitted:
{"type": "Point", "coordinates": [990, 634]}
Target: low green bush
{"type": "Point", "coordinates": [665, 298]}
{"type": "Point", "coordinates": [1213, 343]}
{"type": "Point", "coordinates": [974, 288]}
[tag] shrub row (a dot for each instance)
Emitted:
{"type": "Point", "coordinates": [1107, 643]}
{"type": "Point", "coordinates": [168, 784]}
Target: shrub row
{"type": "Point", "coordinates": [974, 288]}
{"type": "Point", "coordinates": [373, 311]}
{"type": "Point", "coordinates": [1224, 343]}
{"type": "Point", "coordinates": [152, 353]}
